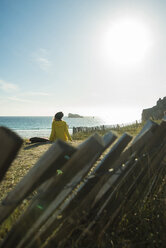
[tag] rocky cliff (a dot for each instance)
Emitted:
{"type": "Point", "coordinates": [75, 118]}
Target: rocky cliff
{"type": "Point", "coordinates": [157, 112]}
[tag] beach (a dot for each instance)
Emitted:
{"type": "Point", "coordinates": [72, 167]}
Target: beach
{"type": "Point", "coordinates": [40, 126]}
{"type": "Point", "coordinates": [27, 157]}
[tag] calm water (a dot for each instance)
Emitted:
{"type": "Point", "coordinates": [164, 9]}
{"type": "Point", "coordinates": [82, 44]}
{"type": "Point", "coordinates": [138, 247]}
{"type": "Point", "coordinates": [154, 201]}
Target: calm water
{"type": "Point", "coordinates": [31, 126]}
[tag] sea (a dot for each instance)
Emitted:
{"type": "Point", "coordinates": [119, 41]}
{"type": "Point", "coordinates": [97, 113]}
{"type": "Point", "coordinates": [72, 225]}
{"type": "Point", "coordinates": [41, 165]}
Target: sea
{"type": "Point", "coordinates": [40, 126]}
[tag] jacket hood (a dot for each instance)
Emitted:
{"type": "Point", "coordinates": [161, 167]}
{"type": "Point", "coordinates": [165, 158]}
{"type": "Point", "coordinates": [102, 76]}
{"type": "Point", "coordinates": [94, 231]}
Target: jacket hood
{"type": "Point", "coordinates": [59, 123]}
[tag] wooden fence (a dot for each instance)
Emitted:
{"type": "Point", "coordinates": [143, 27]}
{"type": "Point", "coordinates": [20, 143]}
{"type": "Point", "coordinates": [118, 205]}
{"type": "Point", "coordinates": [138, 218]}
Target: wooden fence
{"type": "Point", "coordinates": [76, 208]}
{"type": "Point", "coordinates": [103, 127]}
{"type": "Point", "coordinates": [91, 129]}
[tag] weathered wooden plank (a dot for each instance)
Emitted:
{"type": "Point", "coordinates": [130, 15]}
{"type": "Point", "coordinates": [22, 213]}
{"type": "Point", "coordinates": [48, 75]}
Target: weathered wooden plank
{"type": "Point", "coordinates": [138, 185]}
{"type": "Point", "coordinates": [138, 143]}
{"type": "Point", "coordinates": [159, 173]}
{"type": "Point", "coordinates": [155, 150]}
{"type": "Point", "coordinates": [146, 177]}
{"type": "Point", "coordinates": [10, 144]}
{"type": "Point", "coordinates": [121, 173]}
{"type": "Point", "coordinates": [98, 219]}
{"type": "Point", "coordinates": [64, 192]}
{"type": "Point", "coordinates": [108, 140]}
{"type": "Point", "coordinates": [148, 125]}
{"type": "Point", "coordinates": [135, 147]}
{"type": "Point", "coordinates": [132, 192]}
{"type": "Point", "coordinates": [101, 172]}
{"type": "Point", "coordinates": [115, 196]}
{"type": "Point", "coordinates": [46, 166]}
{"type": "Point", "coordinates": [86, 222]}
{"type": "Point", "coordinates": [113, 204]}
{"type": "Point", "coordinates": [45, 204]}
{"type": "Point", "coordinates": [82, 201]}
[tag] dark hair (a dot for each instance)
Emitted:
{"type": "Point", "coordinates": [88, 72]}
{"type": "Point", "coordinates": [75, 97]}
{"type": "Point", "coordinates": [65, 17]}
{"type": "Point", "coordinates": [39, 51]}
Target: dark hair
{"type": "Point", "coordinates": [58, 116]}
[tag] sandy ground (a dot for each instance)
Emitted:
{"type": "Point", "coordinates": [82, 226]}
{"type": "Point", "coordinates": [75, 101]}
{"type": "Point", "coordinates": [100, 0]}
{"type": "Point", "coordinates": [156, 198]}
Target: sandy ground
{"type": "Point", "coordinates": [25, 159]}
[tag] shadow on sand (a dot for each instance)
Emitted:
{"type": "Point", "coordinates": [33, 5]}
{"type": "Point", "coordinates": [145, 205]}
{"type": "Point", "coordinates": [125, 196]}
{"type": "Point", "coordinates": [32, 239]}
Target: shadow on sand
{"type": "Point", "coordinates": [30, 145]}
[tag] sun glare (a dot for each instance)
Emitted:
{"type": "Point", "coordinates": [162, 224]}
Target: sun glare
{"type": "Point", "coordinates": [126, 41]}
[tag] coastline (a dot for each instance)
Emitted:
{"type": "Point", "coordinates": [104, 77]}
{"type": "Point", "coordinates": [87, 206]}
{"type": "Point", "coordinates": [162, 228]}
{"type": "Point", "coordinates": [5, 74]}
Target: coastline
{"type": "Point", "coordinates": [40, 126]}
{"type": "Point", "coordinates": [43, 133]}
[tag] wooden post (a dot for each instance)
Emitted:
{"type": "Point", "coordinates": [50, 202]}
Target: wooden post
{"type": "Point", "coordinates": [10, 144]}
{"type": "Point", "coordinates": [45, 168]}
{"type": "Point", "coordinates": [47, 228]}
{"type": "Point", "coordinates": [85, 195]}
{"type": "Point", "coordinates": [136, 147]}
{"type": "Point", "coordinates": [126, 182]}
{"type": "Point", "coordinates": [73, 171]}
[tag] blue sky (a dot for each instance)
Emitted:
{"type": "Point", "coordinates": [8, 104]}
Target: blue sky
{"type": "Point", "coordinates": [100, 58]}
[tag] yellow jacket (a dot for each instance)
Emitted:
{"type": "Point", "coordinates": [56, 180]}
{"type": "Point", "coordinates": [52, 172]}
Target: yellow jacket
{"type": "Point", "coordinates": [59, 131]}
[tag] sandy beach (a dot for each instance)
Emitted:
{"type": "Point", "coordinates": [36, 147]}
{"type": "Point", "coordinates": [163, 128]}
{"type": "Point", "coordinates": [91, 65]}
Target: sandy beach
{"type": "Point", "coordinates": [26, 158]}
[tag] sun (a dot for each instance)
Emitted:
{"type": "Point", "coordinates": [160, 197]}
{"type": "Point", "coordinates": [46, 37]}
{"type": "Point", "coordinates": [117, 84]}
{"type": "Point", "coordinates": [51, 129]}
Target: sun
{"type": "Point", "coordinates": [126, 41]}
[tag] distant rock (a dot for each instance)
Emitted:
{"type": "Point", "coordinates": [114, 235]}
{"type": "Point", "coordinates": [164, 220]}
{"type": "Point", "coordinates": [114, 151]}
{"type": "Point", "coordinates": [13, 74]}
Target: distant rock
{"type": "Point", "coordinates": [157, 112]}
{"type": "Point", "coordinates": [74, 116]}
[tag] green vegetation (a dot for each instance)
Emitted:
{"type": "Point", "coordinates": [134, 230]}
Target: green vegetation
{"type": "Point", "coordinates": [133, 130]}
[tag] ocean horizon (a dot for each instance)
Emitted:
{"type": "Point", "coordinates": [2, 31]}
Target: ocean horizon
{"type": "Point", "coordinates": [40, 126]}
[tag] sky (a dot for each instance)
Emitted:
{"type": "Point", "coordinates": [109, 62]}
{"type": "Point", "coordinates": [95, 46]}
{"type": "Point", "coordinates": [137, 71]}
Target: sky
{"type": "Point", "coordinates": [91, 57]}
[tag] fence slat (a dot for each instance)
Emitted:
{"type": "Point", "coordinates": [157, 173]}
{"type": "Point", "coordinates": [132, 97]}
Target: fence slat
{"type": "Point", "coordinates": [127, 155]}
{"type": "Point", "coordinates": [114, 200]}
{"type": "Point", "coordinates": [133, 190]}
{"type": "Point", "coordinates": [10, 144]}
{"type": "Point", "coordinates": [135, 147]}
{"type": "Point", "coordinates": [70, 180]}
{"type": "Point", "coordinates": [58, 191]}
{"type": "Point", "coordinates": [46, 166]}
{"type": "Point", "coordinates": [108, 140]}
{"type": "Point", "coordinates": [138, 143]}
{"type": "Point", "coordinates": [148, 125]}
{"type": "Point", "coordinates": [84, 196]}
